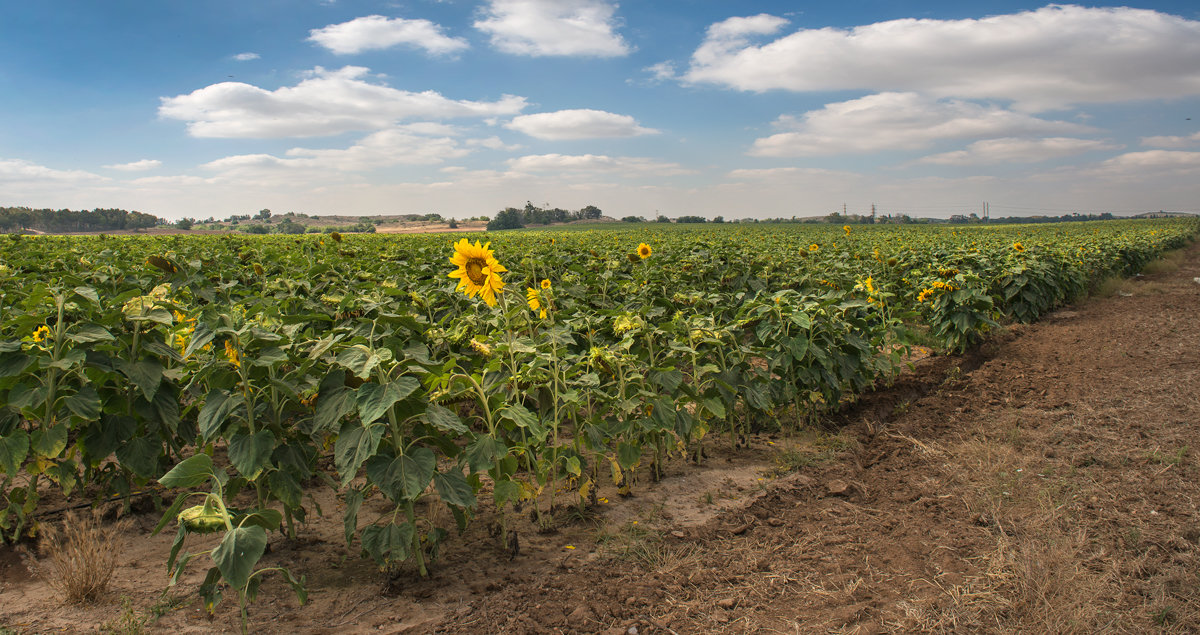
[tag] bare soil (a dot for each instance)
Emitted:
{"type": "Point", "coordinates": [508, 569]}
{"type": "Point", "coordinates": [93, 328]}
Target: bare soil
{"type": "Point", "coordinates": [1044, 483]}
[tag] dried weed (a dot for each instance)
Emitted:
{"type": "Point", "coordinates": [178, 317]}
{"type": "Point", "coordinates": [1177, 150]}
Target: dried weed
{"type": "Point", "coordinates": [82, 555]}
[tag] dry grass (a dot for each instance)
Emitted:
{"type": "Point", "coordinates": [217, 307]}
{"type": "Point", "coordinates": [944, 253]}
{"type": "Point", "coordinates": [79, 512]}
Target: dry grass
{"type": "Point", "coordinates": [82, 555]}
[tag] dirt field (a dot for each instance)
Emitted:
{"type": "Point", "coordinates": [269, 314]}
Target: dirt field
{"type": "Point", "coordinates": [1046, 483]}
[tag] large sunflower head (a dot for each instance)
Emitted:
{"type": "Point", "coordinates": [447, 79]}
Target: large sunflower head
{"type": "Point", "coordinates": [644, 251]}
{"type": "Point", "coordinates": [478, 270]}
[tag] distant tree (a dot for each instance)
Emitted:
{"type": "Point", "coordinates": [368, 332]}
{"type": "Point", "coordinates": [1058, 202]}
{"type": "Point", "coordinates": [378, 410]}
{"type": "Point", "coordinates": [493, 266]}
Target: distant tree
{"type": "Point", "coordinates": [591, 212]}
{"type": "Point", "coordinates": [662, 219]}
{"type": "Point", "coordinates": [721, 219]}
{"type": "Point", "coordinates": [633, 219]}
{"type": "Point", "coordinates": [257, 229]}
{"type": "Point", "coordinates": [510, 218]}
{"type": "Point", "coordinates": [691, 219]}
{"type": "Point", "coordinates": [453, 224]}
{"type": "Point", "coordinates": [185, 223]}
{"type": "Point", "coordinates": [263, 215]}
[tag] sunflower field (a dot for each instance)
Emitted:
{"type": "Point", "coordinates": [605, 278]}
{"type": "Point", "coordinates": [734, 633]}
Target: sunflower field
{"type": "Point", "coordinates": [518, 370]}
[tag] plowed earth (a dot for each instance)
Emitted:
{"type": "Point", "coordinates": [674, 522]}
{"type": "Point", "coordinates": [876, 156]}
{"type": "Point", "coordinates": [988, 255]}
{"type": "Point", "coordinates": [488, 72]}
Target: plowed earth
{"type": "Point", "coordinates": [1047, 482]}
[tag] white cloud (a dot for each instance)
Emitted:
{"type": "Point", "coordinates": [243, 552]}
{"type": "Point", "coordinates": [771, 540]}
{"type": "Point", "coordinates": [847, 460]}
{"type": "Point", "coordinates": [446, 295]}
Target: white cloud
{"type": "Point", "coordinates": [661, 71]}
{"type": "Point", "coordinates": [1172, 141]}
{"type": "Point", "coordinates": [595, 163]}
{"type": "Point", "coordinates": [1018, 150]}
{"type": "Point", "coordinates": [578, 124]}
{"type": "Point", "coordinates": [891, 121]}
{"type": "Point", "coordinates": [324, 103]}
{"type": "Point", "coordinates": [378, 32]}
{"type": "Point", "coordinates": [493, 143]}
{"type": "Point", "coordinates": [136, 166]}
{"type": "Point", "coordinates": [554, 27]}
{"type": "Point", "coordinates": [1043, 59]}
{"type": "Point", "coordinates": [404, 145]}
{"type": "Point", "coordinates": [246, 57]}
{"type": "Point", "coordinates": [1151, 164]}
{"type": "Point", "coordinates": [24, 172]}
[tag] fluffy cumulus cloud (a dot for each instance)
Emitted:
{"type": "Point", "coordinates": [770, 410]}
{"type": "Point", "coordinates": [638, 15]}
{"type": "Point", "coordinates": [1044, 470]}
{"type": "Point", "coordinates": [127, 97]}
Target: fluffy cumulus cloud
{"type": "Point", "coordinates": [897, 121]}
{"type": "Point", "coordinates": [326, 102]}
{"type": "Point", "coordinates": [1172, 141]}
{"type": "Point", "coordinates": [1018, 150]}
{"type": "Point", "coordinates": [578, 124]}
{"type": "Point", "coordinates": [379, 32]}
{"type": "Point", "coordinates": [1043, 59]}
{"type": "Point", "coordinates": [553, 27]}
{"type": "Point", "coordinates": [136, 166]}
{"type": "Point", "coordinates": [595, 164]}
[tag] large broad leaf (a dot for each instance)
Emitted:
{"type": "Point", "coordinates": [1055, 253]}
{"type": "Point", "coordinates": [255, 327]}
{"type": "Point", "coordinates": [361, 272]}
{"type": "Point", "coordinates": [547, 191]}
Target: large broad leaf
{"type": "Point", "coordinates": [88, 333]}
{"type": "Point", "coordinates": [403, 477]}
{"type": "Point", "coordinates": [483, 452]}
{"type": "Point", "coordinates": [629, 455]}
{"type": "Point", "coordinates": [104, 438]}
{"type": "Point", "coordinates": [50, 441]}
{"type": "Point", "coordinates": [202, 335]}
{"type": "Point", "coordinates": [445, 419]}
{"type": "Point", "coordinates": [88, 294]}
{"type": "Point", "coordinates": [217, 407]}
{"type": "Point", "coordinates": [389, 543]}
{"type": "Point", "coordinates": [166, 406]}
{"type": "Point", "coordinates": [374, 400]}
{"type": "Point", "coordinates": [359, 360]}
{"type": "Point", "coordinates": [14, 448]}
{"type": "Point", "coordinates": [286, 488]}
{"type": "Point", "coordinates": [334, 401]}
{"type": "Point", "coordinates": [354, 446]}
{"type": "Point", "coordinates": [354, 499]}
{"type": "Point", "coordinates": [454, 489]}
{"type": "Point", "coordinates": [146, 374]}
{"type": "Point", "coordinates": [505, 491]}
{"type": "Point", "coordinates": [85, 403]}
{"type": "Point", "coordinates": [140, 455]}
{"type": "Point", "coordinates": [250, 454]}
{"type": "Point", "coordinates": [12, 364]}
{"type": "Point", "coordinates": [190, 472]}
{"type": "Point", "coordinates": [238, 552]}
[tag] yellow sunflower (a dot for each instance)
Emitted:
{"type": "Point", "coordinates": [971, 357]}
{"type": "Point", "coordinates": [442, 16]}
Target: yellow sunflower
{"type": "Point", "coordinates": [40, 334]}
{"type": "Point", "coordinates": [814, 247]}
{"type": "Point", "coordinates": [1018, 247]}
{"type": "Point", "coordinates": [232, 355]}
{"type": "Point", "coordinates": [644, 251]}
{"type": "Point", "coordinates": [545, 284]}
{"type": "Point", "coordinates": [478, 271]}
{"type": "Point", "coordinates": [534, 298]}
{"type": "Point", "coordinates": [846, 228]}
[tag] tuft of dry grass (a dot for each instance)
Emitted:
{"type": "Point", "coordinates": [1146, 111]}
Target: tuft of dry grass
{"type": "Point", "coordinates": [82, 554]}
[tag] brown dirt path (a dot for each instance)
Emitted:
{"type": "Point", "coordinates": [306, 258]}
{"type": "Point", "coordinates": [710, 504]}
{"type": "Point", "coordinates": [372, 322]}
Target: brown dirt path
{"type": "Point", "coordinates": [1047, 482]}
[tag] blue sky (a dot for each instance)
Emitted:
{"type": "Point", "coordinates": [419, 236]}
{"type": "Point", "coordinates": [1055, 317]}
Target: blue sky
{"type": "Point", "coordinates": [703, 107]}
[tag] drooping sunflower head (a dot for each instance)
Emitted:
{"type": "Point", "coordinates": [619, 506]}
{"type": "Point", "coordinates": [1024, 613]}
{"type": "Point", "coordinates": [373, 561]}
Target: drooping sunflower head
{"type": "Point", "coordinates": [644, 251]}
{"type": "Point", "coordinates": [534, 298]}
{"type": "Point", "coordinates": [478, 270]}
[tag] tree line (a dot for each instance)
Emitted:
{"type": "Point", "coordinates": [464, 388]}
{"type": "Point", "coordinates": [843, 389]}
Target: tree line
{"type": "Point", "coordinates": [516, 218]}
{"type": "Point", "coordinates": [14, 219]}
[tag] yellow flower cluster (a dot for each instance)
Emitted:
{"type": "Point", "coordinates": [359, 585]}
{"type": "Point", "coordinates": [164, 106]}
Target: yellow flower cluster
{"type": "Point", "coordinates": [232, 355]}
{"type": "Point", "coordinates": [41, 333]}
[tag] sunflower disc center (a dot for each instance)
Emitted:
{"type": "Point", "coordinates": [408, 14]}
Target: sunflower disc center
{"type": "Point", "coordinates": [475, 271]}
